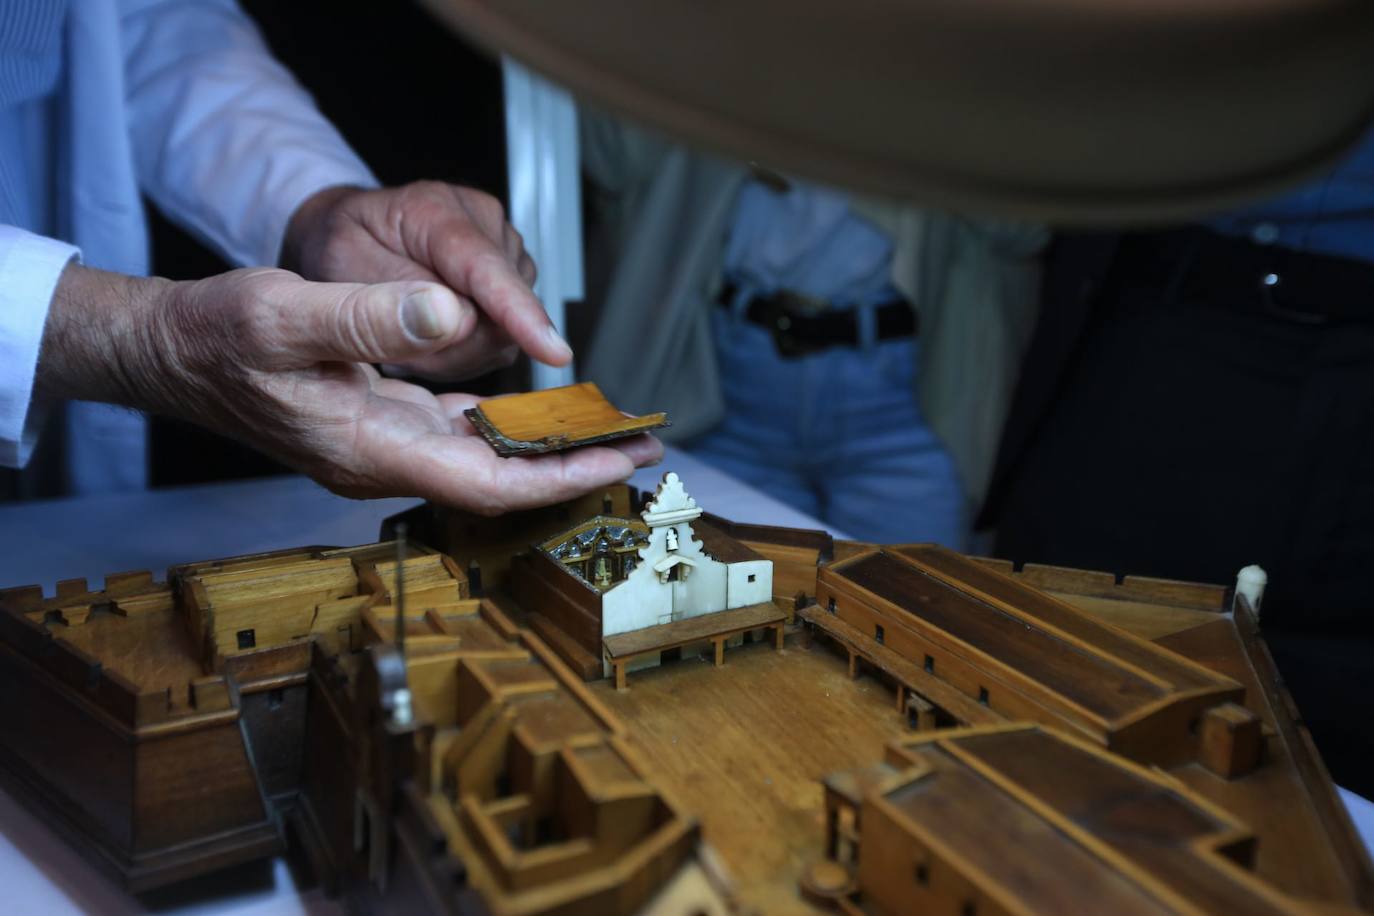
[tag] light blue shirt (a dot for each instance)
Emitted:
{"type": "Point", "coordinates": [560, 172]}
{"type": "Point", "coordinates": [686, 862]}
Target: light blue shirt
{"type": "Point", "coordinates": [806, 240]}
{"type": "Point", "coordinates": [1332, 216]}
{"type": "Point", "coordinates": [30, 63]}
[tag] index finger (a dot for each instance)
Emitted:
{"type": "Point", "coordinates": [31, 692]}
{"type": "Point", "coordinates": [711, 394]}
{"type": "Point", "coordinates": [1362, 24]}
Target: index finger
{"type": "Point", "coordinates": [475, 266]}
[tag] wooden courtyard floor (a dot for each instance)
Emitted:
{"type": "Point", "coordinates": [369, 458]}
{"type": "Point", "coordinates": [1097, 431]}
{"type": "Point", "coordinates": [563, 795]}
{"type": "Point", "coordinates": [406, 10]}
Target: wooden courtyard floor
{"type": "Point", "coordinates": [743, 747]}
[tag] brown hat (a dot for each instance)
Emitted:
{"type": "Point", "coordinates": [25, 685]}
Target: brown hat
{"type": "Point", "coordinates": [1070, 110]}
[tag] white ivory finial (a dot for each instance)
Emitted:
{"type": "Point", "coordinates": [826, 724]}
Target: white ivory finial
{"type": "Point", "coordinates": [1250, 582]}
{"type": "Point", "coordinates": [670, 505]}
{"type": "Point", "coordinates": [402, 711]}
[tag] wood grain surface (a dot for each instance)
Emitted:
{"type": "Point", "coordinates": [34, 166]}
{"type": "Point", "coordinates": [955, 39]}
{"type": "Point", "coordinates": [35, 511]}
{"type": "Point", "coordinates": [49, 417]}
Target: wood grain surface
{"type": "Point", "coordinates": [153, 651]}
{"type": "Point", "coordinates": [746, 746]}
{"type": "Point", "coordinates": [555, 419]}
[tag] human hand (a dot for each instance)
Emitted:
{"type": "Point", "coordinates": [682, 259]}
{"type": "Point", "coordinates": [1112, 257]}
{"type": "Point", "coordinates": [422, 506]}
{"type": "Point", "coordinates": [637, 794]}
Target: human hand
{"type": "Point", "coordinates": [439, 232]}
{"type": "Point", "coordinates": [283, 364]}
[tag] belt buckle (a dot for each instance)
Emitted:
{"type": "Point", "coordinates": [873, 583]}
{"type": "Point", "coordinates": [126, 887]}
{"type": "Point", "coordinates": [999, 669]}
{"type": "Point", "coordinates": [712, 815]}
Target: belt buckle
{"type": "Point", "coordinates": [785, 307]}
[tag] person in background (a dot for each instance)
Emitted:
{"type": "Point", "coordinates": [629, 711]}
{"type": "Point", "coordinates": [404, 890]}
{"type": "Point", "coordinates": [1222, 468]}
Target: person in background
{"type": "Point", "coordinates": [1201, 398]}
{"type": "Point", "coordinates": [102, 99]}
{"type": "Point", "coordinates": [852, 357]}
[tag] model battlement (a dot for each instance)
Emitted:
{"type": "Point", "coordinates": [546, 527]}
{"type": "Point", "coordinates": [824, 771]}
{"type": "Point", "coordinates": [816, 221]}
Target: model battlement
{"type": "Point", "coordinates": [57, 647]}
{"type": "Point", "coordinates": [70, 592]}
{"type": "Point", "coordinates": [84, 675]}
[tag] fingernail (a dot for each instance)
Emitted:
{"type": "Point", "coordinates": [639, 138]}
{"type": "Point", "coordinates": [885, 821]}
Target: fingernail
{"type": "Point", "coordinates": [556, 341]}
{"type": "Point", "coordinates": [419, 317]}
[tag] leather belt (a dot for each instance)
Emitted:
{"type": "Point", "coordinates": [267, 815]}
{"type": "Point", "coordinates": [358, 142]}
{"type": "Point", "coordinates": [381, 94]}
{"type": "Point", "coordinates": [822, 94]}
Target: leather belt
{"type": "Point", "coordinates": [801, 325]}
{"type": "Point", "coordinates": [1199, 266]}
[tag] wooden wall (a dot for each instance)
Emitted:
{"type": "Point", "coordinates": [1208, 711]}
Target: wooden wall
{"type": "Point", "coordinates": [542, 588]}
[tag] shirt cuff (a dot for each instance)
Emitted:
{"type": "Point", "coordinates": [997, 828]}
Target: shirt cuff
{"type": "Point", "coordinates": [30, 268]}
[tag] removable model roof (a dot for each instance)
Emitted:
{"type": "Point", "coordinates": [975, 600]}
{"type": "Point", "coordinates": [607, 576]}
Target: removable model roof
{"type": "Point", "coordinates": [555, 420]}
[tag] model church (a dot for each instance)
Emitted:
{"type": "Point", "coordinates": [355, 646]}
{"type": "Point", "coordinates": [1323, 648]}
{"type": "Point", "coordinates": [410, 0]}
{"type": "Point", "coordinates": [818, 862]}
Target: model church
{"type": "Point", "coordinates": [607, 576]}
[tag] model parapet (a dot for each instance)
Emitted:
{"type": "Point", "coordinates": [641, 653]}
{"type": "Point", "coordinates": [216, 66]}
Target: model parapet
{"type": "Point", "coordinates": [958, 634]}
{"type": "Point", "coordinates": [1023, 819]}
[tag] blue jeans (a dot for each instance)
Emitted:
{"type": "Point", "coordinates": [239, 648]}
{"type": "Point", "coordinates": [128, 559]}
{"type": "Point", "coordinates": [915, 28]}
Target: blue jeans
{"type": "Point", "coordinates": [836, 434]}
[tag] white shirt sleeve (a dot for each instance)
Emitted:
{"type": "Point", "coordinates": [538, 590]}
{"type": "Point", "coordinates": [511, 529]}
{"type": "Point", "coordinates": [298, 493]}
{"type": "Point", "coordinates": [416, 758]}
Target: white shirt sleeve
{"type": "Point", "coordinates": [226, 142]}
{"type": "Point", "coordinates": [30, 266]}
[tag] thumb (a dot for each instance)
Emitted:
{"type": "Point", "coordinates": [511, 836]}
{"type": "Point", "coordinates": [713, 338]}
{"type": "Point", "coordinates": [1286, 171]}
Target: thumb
{"type": "Point", "coordinates": [378, 323]}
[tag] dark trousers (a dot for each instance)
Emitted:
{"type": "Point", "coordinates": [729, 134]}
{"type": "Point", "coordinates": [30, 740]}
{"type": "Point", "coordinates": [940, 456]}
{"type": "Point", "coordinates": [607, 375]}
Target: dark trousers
{"type": "Point", "coordinates": [1194, 430]}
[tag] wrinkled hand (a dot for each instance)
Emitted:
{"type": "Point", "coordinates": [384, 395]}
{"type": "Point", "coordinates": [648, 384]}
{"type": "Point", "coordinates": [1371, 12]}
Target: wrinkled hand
{"type": "Point", "coordinates": [438, 232]}
{"type": "Point", "coordinates": [283, 364]}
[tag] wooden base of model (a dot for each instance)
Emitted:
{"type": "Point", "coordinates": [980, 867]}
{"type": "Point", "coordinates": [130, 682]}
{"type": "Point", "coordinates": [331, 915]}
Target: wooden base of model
{"type": "Point", "coordinates": [436, 730]}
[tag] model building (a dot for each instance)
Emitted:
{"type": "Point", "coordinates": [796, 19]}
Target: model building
{"type": "Point", "coordinates": [609, 576]}
{"type": "Point", "coordinates": [1081, 809]}
{"type": "Point", "coordinates": [445, 724]}
{"type": "Point", "coordinates": [957, 626]}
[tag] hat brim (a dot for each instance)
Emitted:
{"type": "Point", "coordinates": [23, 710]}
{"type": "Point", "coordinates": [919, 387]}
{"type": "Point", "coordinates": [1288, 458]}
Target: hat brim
{"type": "Point", "coordinates": [1065, 110]}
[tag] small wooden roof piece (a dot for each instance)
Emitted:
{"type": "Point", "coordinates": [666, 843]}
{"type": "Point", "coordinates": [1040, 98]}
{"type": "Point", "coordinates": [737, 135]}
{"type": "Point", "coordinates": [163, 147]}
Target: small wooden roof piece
{"type": "Point", "coordinates": [555, 420]}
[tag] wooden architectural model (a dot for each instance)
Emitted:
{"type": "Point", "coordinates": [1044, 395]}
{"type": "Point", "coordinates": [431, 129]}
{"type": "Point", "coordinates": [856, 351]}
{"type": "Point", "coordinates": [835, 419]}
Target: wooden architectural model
{"type": "Point", "coordinates": [435, 723]}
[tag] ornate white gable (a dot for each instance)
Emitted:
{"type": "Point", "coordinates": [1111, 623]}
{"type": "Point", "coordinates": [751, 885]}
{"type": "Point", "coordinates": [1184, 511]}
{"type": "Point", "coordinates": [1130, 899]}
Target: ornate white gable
{"type": "Point", "coordinates": [674, 577]}
{"type": "Point", "coordinates": [671, 505]}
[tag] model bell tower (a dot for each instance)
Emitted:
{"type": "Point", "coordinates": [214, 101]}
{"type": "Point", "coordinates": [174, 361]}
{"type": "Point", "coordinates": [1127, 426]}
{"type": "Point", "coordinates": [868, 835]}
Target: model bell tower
{"type": "Point", "coordinates": [669, 516]}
